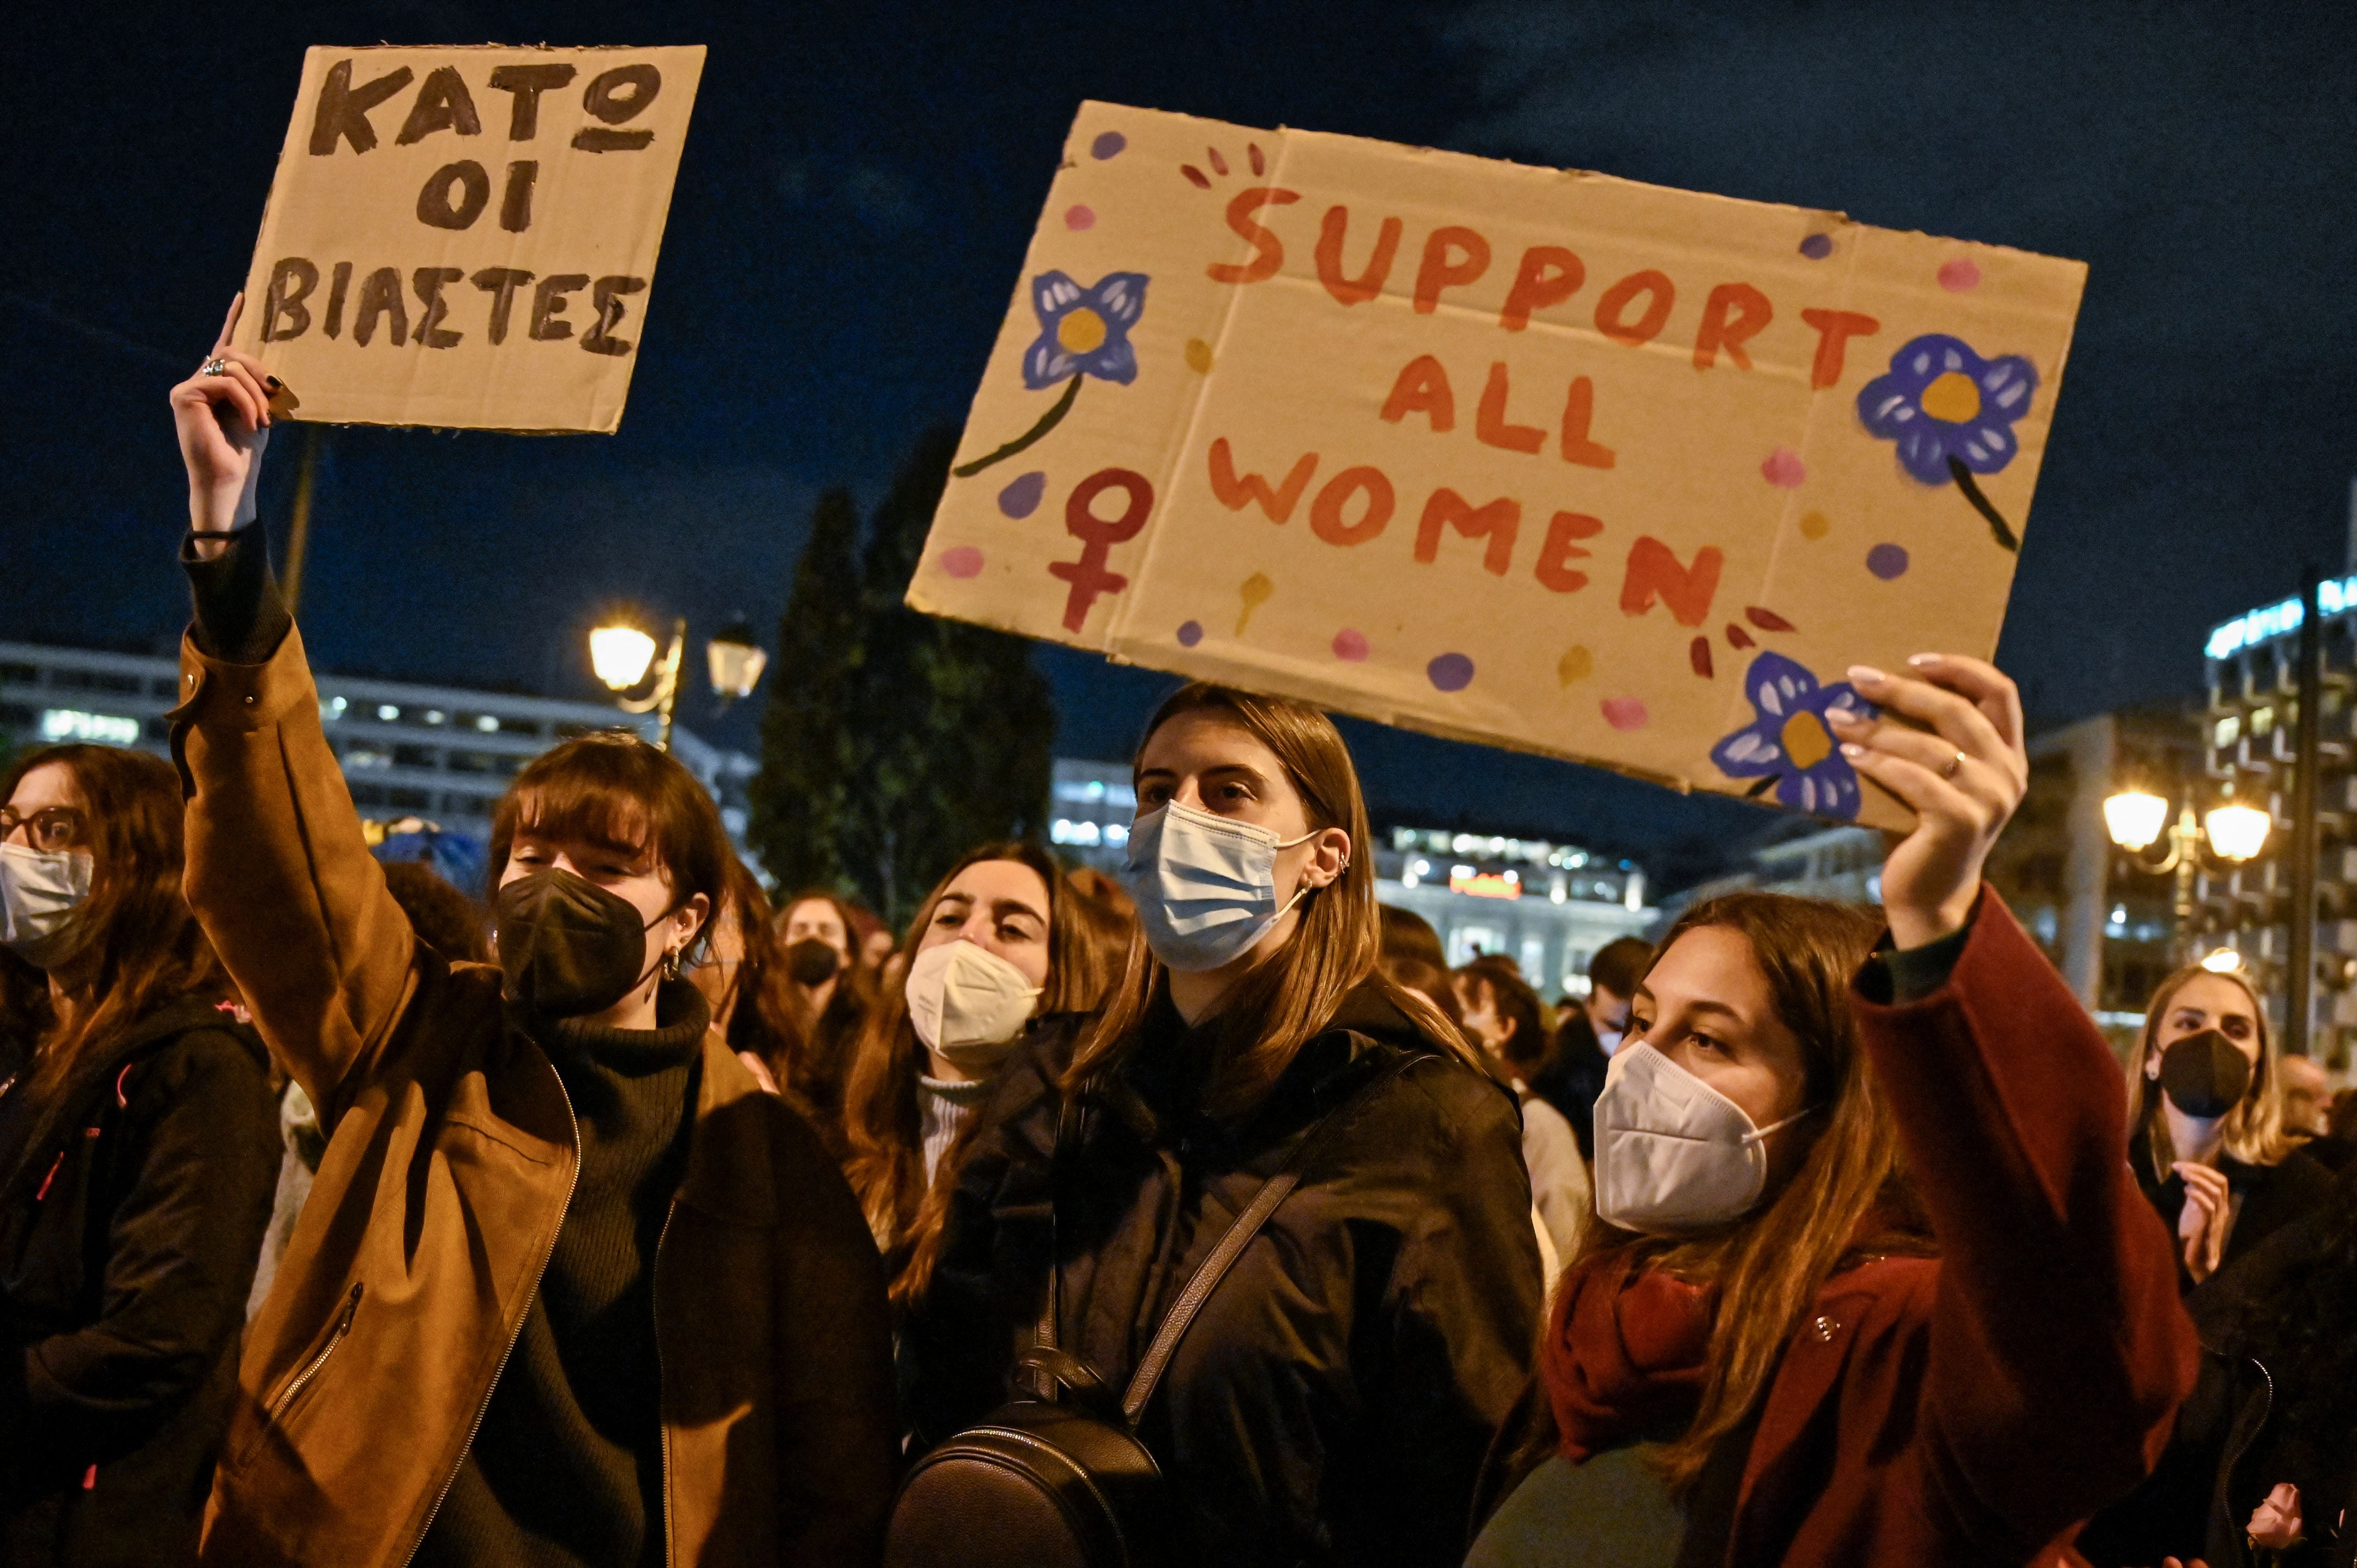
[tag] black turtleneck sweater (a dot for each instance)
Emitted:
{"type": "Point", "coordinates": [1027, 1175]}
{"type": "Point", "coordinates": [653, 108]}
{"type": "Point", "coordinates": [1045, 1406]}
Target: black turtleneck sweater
{"type": "Point", "coordinates": [567, 1469]}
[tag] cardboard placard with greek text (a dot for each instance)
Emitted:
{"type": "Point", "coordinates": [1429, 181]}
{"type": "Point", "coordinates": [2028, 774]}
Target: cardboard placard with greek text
{"type": "Point", "coordinates": [466, 237]}
{"type": "Point", "coordinates": [1543, 459]}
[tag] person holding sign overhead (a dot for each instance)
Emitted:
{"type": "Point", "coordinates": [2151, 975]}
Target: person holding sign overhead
{"type": "Point", "coordinates": [570, 1289]}
{"type": "Point", "coordinates": [1872, 1282]}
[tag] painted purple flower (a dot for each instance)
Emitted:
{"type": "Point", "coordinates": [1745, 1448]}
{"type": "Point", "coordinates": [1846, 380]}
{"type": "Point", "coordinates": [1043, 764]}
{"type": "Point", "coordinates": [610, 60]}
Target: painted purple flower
{"type": "Point", "coordinates": [1788, 742]}
{"type": "Point", "coordinates": [1941, 401]}
{"type": "Point", "coordinates": [1085, 331]}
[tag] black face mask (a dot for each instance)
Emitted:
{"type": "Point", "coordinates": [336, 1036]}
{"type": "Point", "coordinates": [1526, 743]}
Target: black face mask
{"type": "Point", "coordinates": [568, 946]}
{"type": "Point", "coordinates": [812, 962]}
{"type": "Point", "coordinates": [2204, 1075]}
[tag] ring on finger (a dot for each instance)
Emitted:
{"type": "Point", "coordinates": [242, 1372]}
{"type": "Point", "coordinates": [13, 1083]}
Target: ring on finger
{"type": "Point", "coordinates": [1956, 765]}
{"type": "Point", "coordinates": [214, 367]}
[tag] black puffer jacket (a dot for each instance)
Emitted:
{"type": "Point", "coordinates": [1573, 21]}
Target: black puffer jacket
{"type": "Point", "coordinates": [130, 1221]}
{"type": "Point", "coordinates": [2259, 1416]}
{"type": "Point", "coordinates": [1332, 1402]}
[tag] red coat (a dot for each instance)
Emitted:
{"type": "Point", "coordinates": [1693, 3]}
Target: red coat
{"type": "Point", "coordinates": [1975, 1407]}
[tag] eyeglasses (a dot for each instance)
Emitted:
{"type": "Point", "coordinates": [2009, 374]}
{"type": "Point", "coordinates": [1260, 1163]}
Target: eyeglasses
{"type": "Point", "coordinates": [51, 829]}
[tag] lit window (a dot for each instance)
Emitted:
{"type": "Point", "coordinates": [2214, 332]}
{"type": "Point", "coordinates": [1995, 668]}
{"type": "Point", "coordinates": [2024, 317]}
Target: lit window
{"type": "Point", "coordinates": [486, 723]}
{"type": "Point", "coordinates": [1115, 833]}
{"type": "Point", "coordinates": [434, 716]}
{"type": "Point", "coordinates": [387, 712]}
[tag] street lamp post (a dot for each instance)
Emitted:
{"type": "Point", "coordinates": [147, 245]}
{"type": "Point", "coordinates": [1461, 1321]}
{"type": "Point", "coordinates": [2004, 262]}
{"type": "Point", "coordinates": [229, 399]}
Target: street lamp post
{"type": "Point", "coordinates": [620, 653]}
{"type": "Point", "coordinates": [2136, 819]}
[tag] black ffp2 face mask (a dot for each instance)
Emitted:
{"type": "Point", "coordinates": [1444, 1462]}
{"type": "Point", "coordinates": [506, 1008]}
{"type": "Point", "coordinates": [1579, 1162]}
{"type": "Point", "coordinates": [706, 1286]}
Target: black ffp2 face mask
{"type": "Point", "coordinates": [2204, 1075]}
{"type": "Point", "coordinates": [812, 962]}
{"type": "Point", "coordinates": [568, 946]}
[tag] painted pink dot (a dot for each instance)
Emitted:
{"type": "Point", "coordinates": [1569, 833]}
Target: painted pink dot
{"type": "Point", "coordinates": [1351, 644]}
{"type": "Point", "coordinates": [1784, 469]}
{"type": "Point", "coordinates": [1080, 217]}
{"type": "Point", "coordinates": [1625, 713]}
{"type": "Point", "coordinates": [965, 561]}
{"type": "Point", "coordinates": [1960, 275]}
{"type": "Point", "coordinates": [1190, 633]}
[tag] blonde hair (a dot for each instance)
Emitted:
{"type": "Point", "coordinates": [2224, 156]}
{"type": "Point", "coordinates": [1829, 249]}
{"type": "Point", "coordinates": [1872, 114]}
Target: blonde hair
{"type": "Point", "coordinates": [1294, 994]}
{"type": "Point", "coordinates": [2252, 1132]}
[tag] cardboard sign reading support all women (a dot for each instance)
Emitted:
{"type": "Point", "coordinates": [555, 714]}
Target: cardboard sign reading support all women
{"type": "Point", "coordinates": [466, 237]}
{"type": "Point", "coordinates": [1543, 459]}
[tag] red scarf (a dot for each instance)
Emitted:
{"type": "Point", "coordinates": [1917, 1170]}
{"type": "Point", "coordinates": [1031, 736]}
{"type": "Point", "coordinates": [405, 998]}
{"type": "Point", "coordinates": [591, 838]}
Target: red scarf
{"type": "Point", "coordinates": [1625, 1356]}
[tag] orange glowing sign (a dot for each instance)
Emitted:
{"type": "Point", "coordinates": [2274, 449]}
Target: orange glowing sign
{"type": "Point", "coordinates": [1486, 884]}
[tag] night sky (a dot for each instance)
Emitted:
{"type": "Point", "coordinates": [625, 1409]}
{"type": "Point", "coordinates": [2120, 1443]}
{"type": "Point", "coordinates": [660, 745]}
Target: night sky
{"type": "Point", "coordinates": [851, 214]}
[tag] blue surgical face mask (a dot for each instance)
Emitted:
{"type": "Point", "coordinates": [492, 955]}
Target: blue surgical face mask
{"type": "Point", "coordinates": [1205, 887]}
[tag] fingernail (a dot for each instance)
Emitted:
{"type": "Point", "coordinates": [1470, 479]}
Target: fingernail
{"type": "Point", "coordinates": [1921, 660]}
{"type": "Point", "coordinates": [1865, 675]}
{"type": "Point", "coordinates": [275, 383]}
{"type": "Point", "coordinates": [1852, 750]}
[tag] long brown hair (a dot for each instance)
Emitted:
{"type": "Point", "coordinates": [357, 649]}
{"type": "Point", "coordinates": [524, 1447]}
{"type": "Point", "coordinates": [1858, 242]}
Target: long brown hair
{"type": "Point", "coordinates": [2253, 1131]}
{"type": "Point", "coordinates": [1849, 1197]}
{"type": "Point", "coordinates": [143, 947]}
{"type": "Point", "coordinates": [1287, 998]}
{"type": "Point", "coordinates": [881, 1115]}
{"type": "Point", "coordinates": [613, 787]}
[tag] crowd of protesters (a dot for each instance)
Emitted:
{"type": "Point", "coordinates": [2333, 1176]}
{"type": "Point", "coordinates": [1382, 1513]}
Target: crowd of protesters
{"type": "Point", "coordinates": [626, 1212]}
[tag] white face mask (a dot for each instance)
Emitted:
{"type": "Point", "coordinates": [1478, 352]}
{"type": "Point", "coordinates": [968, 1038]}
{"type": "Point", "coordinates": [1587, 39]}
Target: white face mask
{"type": "Point", "coordinates": [1608, 1040]}
{"type": "Point", "coordinates": [968, 1004]}
{"type": "Point", "coordinates": [40, 891]}
{"type": "Point", "coordinates": [1673, 1155]}
{"type": "Point", "coordinates": [1205, 887]}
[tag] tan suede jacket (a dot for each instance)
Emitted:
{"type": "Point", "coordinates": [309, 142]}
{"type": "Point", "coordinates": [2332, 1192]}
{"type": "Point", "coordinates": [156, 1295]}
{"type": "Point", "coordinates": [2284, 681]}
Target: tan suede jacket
{"type": "Point", "coordinates": [450, 1162]}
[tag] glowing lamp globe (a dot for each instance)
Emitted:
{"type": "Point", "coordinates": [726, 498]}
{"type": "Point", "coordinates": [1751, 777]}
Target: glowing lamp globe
{"type": "Point", "coordinates": [736, 662]}
{"type": "Point", "coordinates": [620, 655]}
{"type": "Point", "coordinates": [2222, 960]}
{"type": "Point", "coordinates": [2236, 832]}
{"type": "Point", "coordinates": [2135, 819]}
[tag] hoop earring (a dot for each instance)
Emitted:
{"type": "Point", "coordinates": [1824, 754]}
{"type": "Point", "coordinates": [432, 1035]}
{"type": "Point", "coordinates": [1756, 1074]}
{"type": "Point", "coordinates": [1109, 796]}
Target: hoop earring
{"type": "Point", "coordinates": [670, 964]}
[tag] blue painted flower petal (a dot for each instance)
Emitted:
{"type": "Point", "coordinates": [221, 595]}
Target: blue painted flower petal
{"type": "Point", "coordinates": [1924, 452]}
{"type": "Point", "coordinates": [1115, 360]}
{"type": "Point", "coordinates": [1749, 753]}
{"type": "Point", "coordinates": [1052, 295]}
{"type": "Point", "coordinates": [1778, 686]}
{"type": "Point", "coordinates": [1886, 407]}
{"type": "Point", "coordinates": [1046, 363]}
{"type": "Point", "coordinates": [1120, 298]}
{"type": "Point", "coordinates": [2006, 388]}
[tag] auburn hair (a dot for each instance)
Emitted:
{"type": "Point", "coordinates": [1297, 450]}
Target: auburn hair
{"type": "Point", "coordinates": [143, 947]}
{"type": "Point", "coordinates": [882, 1120]}
{"type": "Point", "coordinates": [613, 788]}
{"type": "Point", "coordinates": [1849, 1198]}
{"type": "Point", "coordinates": [1286, 998]}
{"type": "Point", "coordinates": [2253, 1131]}
{"type": "Point", "coordinates": [1532, 1048]}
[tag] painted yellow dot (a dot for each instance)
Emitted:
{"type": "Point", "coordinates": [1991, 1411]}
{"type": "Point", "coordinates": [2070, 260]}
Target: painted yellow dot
{"type": "Point", "coordinates": [1198, 356]}
{"type": "Point", "coordinates": [1256, 592]}
{"type": "Point", "coordinates": [1081, 332]}
{"type": "Point", "coordinates": [1953, 398]}
{"type": "Point", "coordinates": [1813, 525]}
{"type": "Point", "coordinates": [1575, 665]}
{"type": "Point", "coordinates": [1805, 740]}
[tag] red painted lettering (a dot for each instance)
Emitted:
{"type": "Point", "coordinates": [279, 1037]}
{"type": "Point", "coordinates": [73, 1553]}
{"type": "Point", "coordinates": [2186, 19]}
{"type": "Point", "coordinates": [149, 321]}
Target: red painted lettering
{"type": "Point", "coordinates": [1654, 571]}
{"type": "Point", "coordinates": [1555, 569]}
{"type": "Point", "coordinates": [1835, 329]}
{"type": "Point", "coordinates": [1441, 269]}
{"type": "Point", "coordinates": [1237, 492]}
{"type": "Point", "coordinates": [1423, 388]}
{"type": "Point", "coordinates": [1578, 413]}
{"type": "Point", "coordinates": [1735, 313]}
{"type": "Point", "coordinates": [1268, 250]}
{"type": "Point", "coordinates": [1367, 284]}
{"type": "Point", "coordinates": [1497, 523]}
{"type": "Point", "coordinates": [1611, 311]}
{"type": "Point", "coordinates": [1490, 427]}
{"type": "Point", "coordinates": [1549, 275]}
{"type": "Point", "coordinates": [1326, 520]}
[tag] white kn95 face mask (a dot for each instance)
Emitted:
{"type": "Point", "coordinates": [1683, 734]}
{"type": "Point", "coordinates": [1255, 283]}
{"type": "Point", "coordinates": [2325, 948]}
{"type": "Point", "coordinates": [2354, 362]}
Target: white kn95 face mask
{"type": "Point", "coordinates": [1673, 1154]}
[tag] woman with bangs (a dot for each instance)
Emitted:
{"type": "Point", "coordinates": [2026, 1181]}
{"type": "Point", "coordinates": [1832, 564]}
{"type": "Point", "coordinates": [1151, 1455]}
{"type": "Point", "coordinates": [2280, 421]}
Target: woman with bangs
{"type": "Point", "coordinates": [2206, 1123]}
{"type": "Point", "coordinates": [138, 1155]}
{"type": "Point", "coordinates": [569, 1288]}
{"type": "Point", "coordinates": [995, 945]}
{"type": "Point", "coordinates": [1332, 1399]}
{"type": "Point", "coordinates": [1871, 1283]}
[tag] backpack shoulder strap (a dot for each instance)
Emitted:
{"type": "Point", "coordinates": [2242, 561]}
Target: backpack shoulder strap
{"type": "Point", "coordinates": [1240, 1233]}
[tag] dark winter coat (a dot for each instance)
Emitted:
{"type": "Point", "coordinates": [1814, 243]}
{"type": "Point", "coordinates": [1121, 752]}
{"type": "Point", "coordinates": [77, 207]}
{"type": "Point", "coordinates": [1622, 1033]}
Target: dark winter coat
{"type": "Point", "coordinates": [129, 1226]}
{"type": "Point", "coordinates": [2236, 1437]}
{"type": "Point", "coordinates": [1332, 1402]}
{"type": "Point", "coordinates": [2267, 1197]}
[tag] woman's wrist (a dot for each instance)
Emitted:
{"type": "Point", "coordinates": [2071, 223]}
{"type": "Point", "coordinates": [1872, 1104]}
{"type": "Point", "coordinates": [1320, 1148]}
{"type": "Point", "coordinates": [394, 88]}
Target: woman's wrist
{"type": "Point", "coordinates": [1919, 925]}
